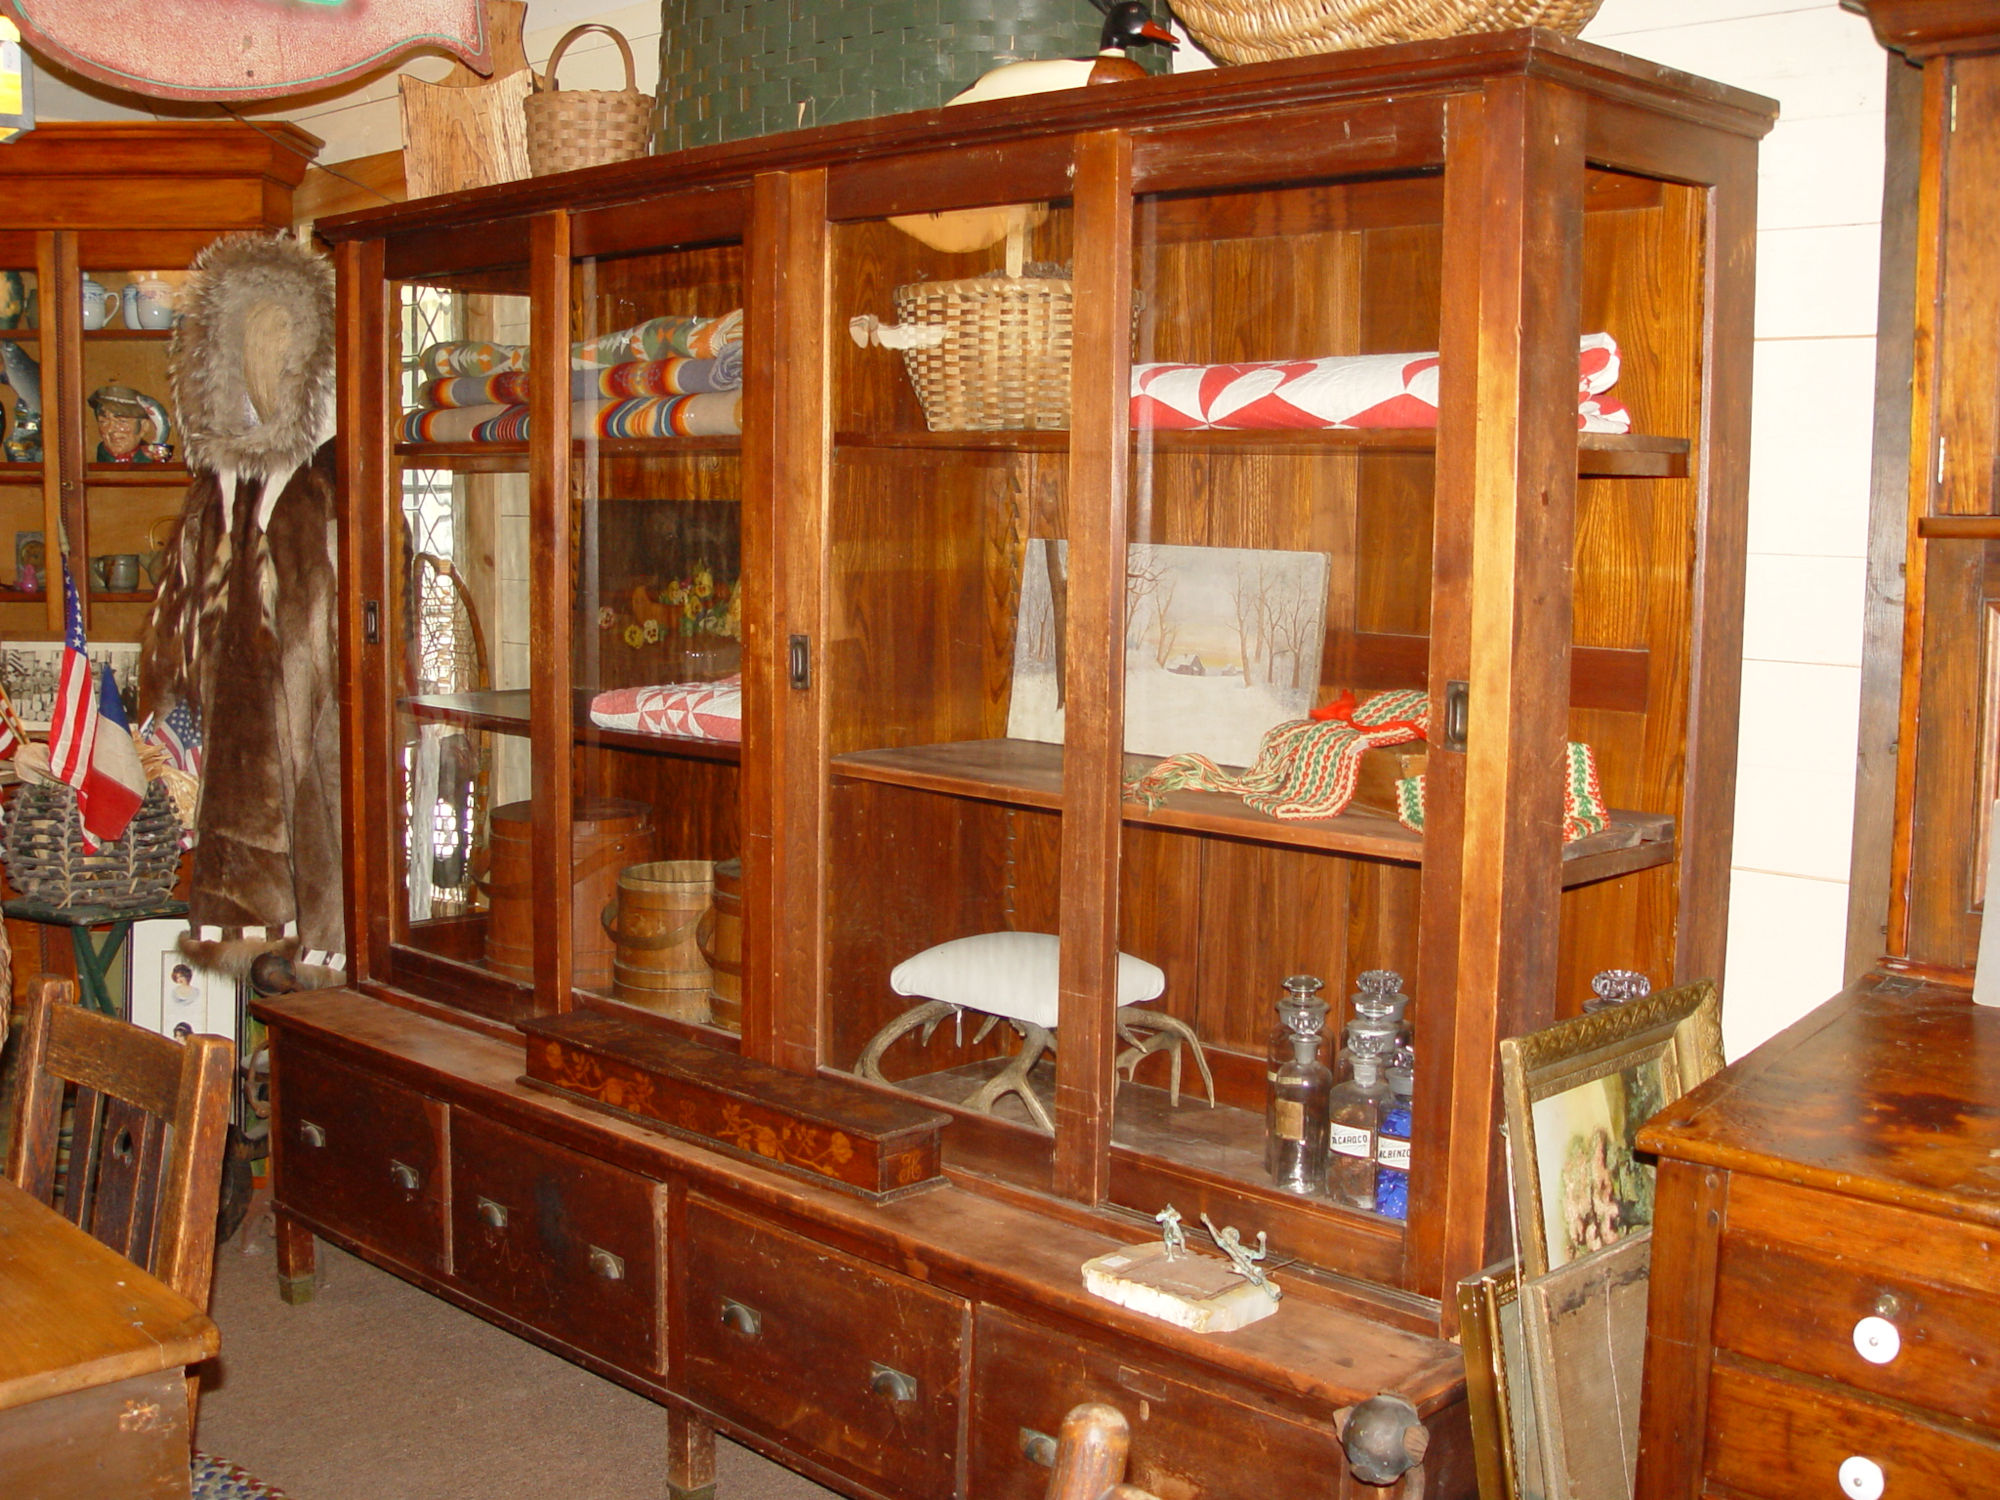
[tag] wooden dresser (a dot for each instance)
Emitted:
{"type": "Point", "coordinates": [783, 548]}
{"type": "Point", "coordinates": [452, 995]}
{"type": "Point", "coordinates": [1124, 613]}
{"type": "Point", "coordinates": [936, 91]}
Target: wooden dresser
{"type": "Point", "coordinates": [1825, 1305]}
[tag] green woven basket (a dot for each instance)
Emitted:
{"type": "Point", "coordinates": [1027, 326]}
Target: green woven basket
{"type": "Point", "coordinates": [734, 68]}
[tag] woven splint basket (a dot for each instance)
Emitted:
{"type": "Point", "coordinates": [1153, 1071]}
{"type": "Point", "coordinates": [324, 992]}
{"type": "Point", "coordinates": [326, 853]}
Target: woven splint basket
{"type": "Point", "coordinates": [1239, 31]}
{"type": "Point", "coordinates": [46, 862]}
{"type": "Point", "coordinates": [572, 128]}
{"type": "Point", "coordinates": [1004, 361]}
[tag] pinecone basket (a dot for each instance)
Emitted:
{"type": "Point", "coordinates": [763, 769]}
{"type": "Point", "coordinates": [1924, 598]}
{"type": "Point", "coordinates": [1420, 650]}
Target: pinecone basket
{"type": "Point", "coordinates": [45, 858]}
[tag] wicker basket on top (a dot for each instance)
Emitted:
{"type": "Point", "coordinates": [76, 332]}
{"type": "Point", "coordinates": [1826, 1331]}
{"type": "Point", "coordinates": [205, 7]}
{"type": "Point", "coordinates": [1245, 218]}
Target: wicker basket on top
{"type": "Point", "coordinates": [1004, 362]}
{"type": "Point", "coordinates": [572, 128]}
{"type": "Point", "coordinates": [1240, 31]}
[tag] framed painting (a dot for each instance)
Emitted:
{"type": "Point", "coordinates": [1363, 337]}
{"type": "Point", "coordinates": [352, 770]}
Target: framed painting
{"type": "Point", "coordinates": [169, 994]}
{"type": "Point", "coordinates": [1500, 1397]}
{"type": "Point", "coordinates": [1575, 1095]}
{"type": "Point", "coordinates": [1584, 1326]}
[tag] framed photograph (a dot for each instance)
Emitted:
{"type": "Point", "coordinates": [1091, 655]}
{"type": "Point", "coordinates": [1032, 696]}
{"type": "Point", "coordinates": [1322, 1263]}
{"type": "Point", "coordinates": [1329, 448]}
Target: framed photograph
{"type": "Point", "coordinates": [168, 993]}
{"type": "Point", "coordinates": [1500, 1399]}
{"type": "Point", "coordinates": [29, 670]}
{"type": "Point", "coordinates": [1221, 643]}
{"type": "Point", "coordinates": [1584, 1325]}
{"type": "Point", "coordinates": [1575, 1095]}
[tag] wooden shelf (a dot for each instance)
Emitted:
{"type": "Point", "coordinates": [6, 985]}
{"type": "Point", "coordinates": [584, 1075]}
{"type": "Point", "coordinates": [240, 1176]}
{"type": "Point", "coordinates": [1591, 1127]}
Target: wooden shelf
{"type": "Point", "coordinates": [135, 476]}
{"type": "Point", "coordinates": [1026, 773]}
{"type": "Point", "coordinates": [23, 474]}
{"type": "Point", "coordinates": [512, 458]}
{"type": "Point", "coordinates": [1959, 528]}
{"type": "Point", "coordinates": [506, 712]}
{"type": "Point", "coordinates": [1599, 454]}
{"type": "Point", "coordinates": [127, 335]}
{"type": "Point", "coordinates": [23, 596]}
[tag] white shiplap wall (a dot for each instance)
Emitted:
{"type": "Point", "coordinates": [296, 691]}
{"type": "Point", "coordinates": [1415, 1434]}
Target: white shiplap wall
{"type": "Point", "coordinates": [1819, 222]}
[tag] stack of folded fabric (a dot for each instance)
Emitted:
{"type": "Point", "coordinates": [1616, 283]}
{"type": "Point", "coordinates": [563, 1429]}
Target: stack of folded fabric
{"type": "Point", "coordinates": [666, 377]}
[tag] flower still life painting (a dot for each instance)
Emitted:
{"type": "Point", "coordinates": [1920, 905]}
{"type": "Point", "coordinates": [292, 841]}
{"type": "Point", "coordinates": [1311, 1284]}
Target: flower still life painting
{"type": "Point", "coordinates": [1221, 643]}
{"type": "Point", "coordinates": [1595, 1191]}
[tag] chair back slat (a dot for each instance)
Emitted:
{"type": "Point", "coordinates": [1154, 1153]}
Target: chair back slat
{"type": "Point", "coordinates": [38, 1103]}
{"type": "Point", "coordinates": [124, 1199]}
{"type": "Point", "coordinates": [115, 1057]}
{"type": "Point", "coordinates": [76, 1173]}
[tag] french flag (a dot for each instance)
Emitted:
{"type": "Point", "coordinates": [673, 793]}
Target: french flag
{"type": "Point", "coordinates": [90, 739]}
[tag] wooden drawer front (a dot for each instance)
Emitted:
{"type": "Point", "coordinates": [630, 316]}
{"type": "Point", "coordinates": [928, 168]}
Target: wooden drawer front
{"type": "Point", "coordinates": [559, 1240]}
{"type": "Point", "coordinates": [1786, 1440]}
{"type": "Point", "coordinates": [803, 1344]}
{"type": "Point", "coordinates": [360, 1155]}
{"type": "Point", "coordinates": [1798, 1271]}
{"type": "Point", "coordinates": [1187, 1442]}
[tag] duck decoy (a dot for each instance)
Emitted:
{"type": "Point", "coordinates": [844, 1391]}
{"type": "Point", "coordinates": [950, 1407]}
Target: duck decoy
{"type": "Point", "coordinates": [958, 231]}
{"type": "Point", "coordinates": [1126, 24]}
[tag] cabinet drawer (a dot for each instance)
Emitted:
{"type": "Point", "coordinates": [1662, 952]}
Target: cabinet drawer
{"type": "Point", "coordinates": [1799, 1271]}
{"type": "Point", "coordinates": [1787, 1440]}
{"type": "Point", "coordinates": [360, 1155]}
{"type": "Point", "coordinates": [826, 1354]}
{"type": "Point", "coordinates": [559, 1240]}
{"type": "Point", "coordinates": [1189, 1442]}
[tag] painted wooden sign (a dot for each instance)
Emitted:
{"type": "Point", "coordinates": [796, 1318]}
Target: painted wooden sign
{"type": "Point", "coordinates": [244, 49]}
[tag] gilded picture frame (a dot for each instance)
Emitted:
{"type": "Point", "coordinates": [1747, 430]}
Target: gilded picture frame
{"type": "Point", "coordinates": [1575, 1095]}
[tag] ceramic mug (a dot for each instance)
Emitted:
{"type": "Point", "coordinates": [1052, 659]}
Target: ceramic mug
{"type": "Point", "coordinates": [99, 306]}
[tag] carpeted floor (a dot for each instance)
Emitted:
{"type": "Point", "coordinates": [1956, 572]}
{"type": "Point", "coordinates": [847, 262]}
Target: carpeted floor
{"type": "Point", "coordinates": [377, 1391]}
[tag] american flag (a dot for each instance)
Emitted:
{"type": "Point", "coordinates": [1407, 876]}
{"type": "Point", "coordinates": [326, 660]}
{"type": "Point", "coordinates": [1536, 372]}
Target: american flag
{"type": "Point", "coordinates": [13, 733]}
{"type": "Point", "coordinates": [73, 719]}
{"type": "Point", "coordinates": [178, 735]}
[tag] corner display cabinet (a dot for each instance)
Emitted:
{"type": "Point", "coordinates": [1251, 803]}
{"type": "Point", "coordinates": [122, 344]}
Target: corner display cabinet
{"type": "Point", "coordinates": [92, 210]}
{"type": "Point", "coordinates": [793, 1194]}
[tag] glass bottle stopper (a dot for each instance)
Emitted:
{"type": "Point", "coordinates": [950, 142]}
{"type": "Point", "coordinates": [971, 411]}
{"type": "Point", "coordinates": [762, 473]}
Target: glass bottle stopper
{"type": "Point", "coordinates": [1615, 987]}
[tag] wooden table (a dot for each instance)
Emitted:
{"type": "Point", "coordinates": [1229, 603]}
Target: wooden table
{"type": "Point", "coordinates": [93, 1396]}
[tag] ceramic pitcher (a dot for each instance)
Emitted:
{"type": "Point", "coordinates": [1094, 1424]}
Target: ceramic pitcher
{"type": "Point", "coordinates": [99, 306]}
{"type": "Point", "coordinates": [149, 303]}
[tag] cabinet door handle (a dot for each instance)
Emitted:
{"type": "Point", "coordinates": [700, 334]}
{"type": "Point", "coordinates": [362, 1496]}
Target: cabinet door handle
{"type": "Point", "coordinates": [1038, 1448]}
{"type": "Point", "coordinates": [604, 1263]}
{"type": "Point", "coordinates": [1877, 1340]}
{"type": "Point", "coordinates": [894, 1384]}
{"type": "Point", "coordinates": [311, 1134]}
{"type": "Point", "coordinates": [741, 1316]}
{"type": "Point", "coordinates": [405, 1176]}
{"type": "Point", "coordinates": [495, 1214]}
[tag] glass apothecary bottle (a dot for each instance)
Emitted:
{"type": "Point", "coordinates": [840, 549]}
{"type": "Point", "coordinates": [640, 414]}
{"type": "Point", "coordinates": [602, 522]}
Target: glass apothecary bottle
{"type": "Point", "coordinates": [1392, 1138]}
{"type": "Point", "coordinates": [1355, 1115]}
{"type": "Point", "coordinates": [1301, 1091]}
{"type": "Point", "coordinates": [1302, 996]}
{"type": "Point", "coordinates": [1379, 997]}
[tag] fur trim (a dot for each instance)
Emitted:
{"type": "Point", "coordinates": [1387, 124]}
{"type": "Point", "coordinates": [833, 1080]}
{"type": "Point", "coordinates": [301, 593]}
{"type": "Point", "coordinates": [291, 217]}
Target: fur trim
{"type": "Point", "coordinates": [251, 361]}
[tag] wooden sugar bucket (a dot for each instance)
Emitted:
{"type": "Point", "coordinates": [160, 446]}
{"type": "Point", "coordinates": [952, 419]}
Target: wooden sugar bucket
{"type": "Point", "coordinates": [721, 938]}
{"type": "Point", "coordinates": [607, 834]}
{"type": "Point", "coordinates": [657, 962]}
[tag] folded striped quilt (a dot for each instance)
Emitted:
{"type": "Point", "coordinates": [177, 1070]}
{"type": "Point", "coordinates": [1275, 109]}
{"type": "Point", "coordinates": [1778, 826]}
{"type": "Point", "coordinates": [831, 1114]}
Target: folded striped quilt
{"type": "Point", "coordinates": [673, 376]}
{"type": "Point", "coordinates": [710, 414]}
{"type": "Point", "coordinates": [697, 710]}
{"type": "Point", "coordinates": [656, 338]}
{"type": "Point", "coordinates": [1361, 390]}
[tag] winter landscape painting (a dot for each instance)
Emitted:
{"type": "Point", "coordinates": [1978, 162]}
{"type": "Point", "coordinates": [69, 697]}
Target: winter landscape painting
{"type": "Point", "coordinates": [1220, 644]}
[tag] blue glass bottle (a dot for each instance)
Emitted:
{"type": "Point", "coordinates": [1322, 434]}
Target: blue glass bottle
{"type": "Point", "coordinates": [1392, 1140]}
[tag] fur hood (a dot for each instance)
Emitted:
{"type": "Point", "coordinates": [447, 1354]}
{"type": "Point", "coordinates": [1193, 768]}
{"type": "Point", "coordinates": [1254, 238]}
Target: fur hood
{"type": "Point", "coordinates": [251, 361]}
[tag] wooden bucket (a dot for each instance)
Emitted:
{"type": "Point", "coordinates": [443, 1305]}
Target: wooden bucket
{"type": "Point", "coordinates": [658, 964]}
{"type": "Point", "coordinates": [606, 835]}
{"type": "Point", "coordinates": [721, 939]}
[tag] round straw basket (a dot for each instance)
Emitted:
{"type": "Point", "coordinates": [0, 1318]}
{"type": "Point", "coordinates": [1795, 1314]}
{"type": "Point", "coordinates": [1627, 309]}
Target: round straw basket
{"type": "Point", "coordinates": [1238, 31]}
{"type": "Point", "coordinates": [572, 128]}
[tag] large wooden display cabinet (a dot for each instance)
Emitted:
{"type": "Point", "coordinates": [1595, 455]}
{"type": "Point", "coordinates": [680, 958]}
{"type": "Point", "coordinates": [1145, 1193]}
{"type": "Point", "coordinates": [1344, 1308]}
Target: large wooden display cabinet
{"type": "Point", "coordinates": [1492, 198]}
{"type": "Point", "coordinates": [118, 203]}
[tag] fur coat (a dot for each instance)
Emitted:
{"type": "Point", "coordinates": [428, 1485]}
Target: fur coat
{"type": "Point", "coordinates": [245, 624]}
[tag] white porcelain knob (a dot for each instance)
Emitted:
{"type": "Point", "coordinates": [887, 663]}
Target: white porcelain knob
{"type": "Point", "coordinates": [1877, 1341]}
{"type": "Point", "coordinates": [1861, 1479]}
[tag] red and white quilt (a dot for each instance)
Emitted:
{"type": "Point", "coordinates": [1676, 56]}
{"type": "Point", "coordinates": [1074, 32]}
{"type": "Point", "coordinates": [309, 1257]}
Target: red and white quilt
{"type": "Point", "coordinates": [693, 710]}
{"type": "Point", "coordinates": [1358, 390]}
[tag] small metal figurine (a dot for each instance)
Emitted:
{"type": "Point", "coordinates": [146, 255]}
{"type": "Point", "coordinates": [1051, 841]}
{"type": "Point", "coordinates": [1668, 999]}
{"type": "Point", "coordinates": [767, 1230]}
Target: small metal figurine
{"type": "Point", "coordinates": [1171, 1234]}
{"type": "Point", "coordinates": [1230, 1243]}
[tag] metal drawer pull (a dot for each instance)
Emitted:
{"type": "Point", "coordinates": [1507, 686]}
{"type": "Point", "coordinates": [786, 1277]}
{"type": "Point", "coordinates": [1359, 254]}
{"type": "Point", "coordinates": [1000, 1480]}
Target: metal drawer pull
{"type": "Point", "coordinates": [311, 1134]}
{"type": "Point", "coordinates": [1877, 1340]}
{"type": "Point", "coordinates": [405, 1176]}
{"type": "Point", "coordinates": [495, 1214]}
{"type": "Point", "coordinates": [1861, 1479]}
{"type": "Point", "coordinates": [1038, 1448]}
{"type": "Point", "coordinates": [604, 1263]}
{"type": "Point", "coordinates": [894, 1384]}
{"type": "Point", "coordinates": [744, 1318]}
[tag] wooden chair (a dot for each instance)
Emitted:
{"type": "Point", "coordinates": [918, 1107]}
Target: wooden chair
{"type": "Point", "coordinates": [145, 1159]}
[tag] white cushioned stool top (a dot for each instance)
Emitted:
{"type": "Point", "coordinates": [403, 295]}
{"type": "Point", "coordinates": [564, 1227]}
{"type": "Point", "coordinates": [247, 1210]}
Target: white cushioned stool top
{"type": "Point", "coordinates": [1011, 974]}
